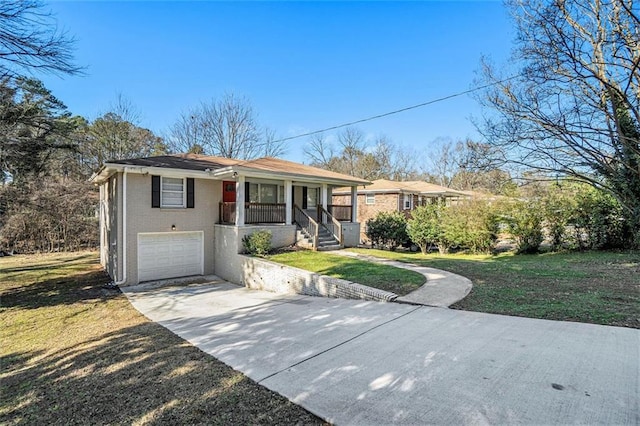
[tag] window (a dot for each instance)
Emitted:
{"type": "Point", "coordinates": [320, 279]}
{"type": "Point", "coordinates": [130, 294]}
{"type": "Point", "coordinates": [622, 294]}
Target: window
{"type": "Point", "coordinates": [265, 193]}
{"type": "Point", "coordinates": [281, 194]}
{"type": "Point", "coordinates": [408, 198]}
{"type": "Point", "coordinates": [312, 198]}
{"type": "Point", "coordinates": [370, 199]}
{"type": "Point", "coordinates": [172, 193]}
{"type": "Point", "coordinates": [254, 193]}
{"type": "Point", "coordinates": [268, 193]}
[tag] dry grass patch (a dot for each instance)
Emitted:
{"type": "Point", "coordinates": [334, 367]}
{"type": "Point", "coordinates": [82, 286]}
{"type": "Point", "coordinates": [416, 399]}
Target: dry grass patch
{"type": "Point", "coordinates": [76, 353]}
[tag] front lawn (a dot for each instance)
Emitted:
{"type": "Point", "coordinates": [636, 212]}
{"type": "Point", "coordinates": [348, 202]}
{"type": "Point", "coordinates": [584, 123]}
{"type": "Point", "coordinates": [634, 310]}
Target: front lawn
{"type": "Point", "coordinates": [383, 277]}
{"type": "Point", "coordinates": [593, 287]}
{"type": "Point", "coordinates": [73, 352]}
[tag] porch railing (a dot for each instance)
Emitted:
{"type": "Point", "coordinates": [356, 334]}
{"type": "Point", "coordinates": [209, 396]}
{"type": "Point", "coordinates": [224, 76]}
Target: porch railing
{"type": "Point", "coordinates": [340, 212]}
{"type": "Point", "coordinates": [254, 213]}
{"type": "Point", "coordinates": [307, 224]}
{"type": "Point", "coordinates": [264, 213]}
{"type": "Point", "coordinates": [228, 213]}
{"type": "Point", "coordinates": [331, 223]}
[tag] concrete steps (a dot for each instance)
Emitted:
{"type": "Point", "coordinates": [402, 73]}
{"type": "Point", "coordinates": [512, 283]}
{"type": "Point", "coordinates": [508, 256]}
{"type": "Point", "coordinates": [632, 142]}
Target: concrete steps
{"type": "Point", "coordinates": [326, 241]}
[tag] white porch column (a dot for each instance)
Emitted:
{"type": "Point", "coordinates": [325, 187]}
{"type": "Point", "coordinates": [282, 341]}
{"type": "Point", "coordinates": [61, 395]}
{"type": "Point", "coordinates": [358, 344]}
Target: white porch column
{"type": "Point", "coordinates": [288, 199]}
{"type": "Point", "coordinates": [324, 194]}
{"type": "Point", "coordinates": [240, 200]}
{"type": "Point", "coordinates": [354, 204]}
{"type": "Point", "coordinates": [103, 224]}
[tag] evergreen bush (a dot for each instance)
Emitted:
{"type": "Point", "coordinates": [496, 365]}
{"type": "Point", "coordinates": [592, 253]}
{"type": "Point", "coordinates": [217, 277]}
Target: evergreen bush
{"type": "Point", "coordinates": [257, 243]}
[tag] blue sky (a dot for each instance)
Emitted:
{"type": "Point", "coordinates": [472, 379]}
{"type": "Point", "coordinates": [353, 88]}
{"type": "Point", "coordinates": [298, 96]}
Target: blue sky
{"type": "Point", "coordinates": [304, 65]}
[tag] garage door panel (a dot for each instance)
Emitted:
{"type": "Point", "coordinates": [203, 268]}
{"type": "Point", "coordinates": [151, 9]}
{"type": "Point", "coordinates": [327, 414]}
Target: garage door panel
{"type": "Point", "coordinates": [169, 255]}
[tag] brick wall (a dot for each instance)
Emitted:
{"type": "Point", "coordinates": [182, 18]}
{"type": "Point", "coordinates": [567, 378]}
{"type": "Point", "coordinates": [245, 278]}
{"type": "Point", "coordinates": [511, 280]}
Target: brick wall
{"type": "Point", "coordinates": [383, 203]}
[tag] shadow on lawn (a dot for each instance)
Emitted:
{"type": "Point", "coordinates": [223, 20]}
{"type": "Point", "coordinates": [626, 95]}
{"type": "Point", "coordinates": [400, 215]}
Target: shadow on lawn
{"type": "Point", "coordinates": [47, 266]}
{"type": "Point", "coordinates": [138, 373]}
{"type": "Point", "coordinates": [80, 287]}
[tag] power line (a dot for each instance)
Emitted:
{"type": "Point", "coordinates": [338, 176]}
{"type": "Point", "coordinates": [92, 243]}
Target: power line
{"type": "Point", "coordinates": [375, 117]}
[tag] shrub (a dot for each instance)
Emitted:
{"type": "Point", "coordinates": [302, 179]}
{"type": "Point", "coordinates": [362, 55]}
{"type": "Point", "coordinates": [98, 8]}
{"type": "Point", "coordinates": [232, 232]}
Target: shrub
{"type": "Point", "coordinates": [257, 243]}
{"type": "Point", "coordinates": [524, 223]}
{"type": "Point", "coordinates": [558, 208]}
{"type": "Point", "coordinates": [387, 230]}
{"type": "Point", "coordinates": [472, 225]}
{"type": "Point", "coordinates": [424, 227]}
{"type": "Point", "coordinates": [598, 220]}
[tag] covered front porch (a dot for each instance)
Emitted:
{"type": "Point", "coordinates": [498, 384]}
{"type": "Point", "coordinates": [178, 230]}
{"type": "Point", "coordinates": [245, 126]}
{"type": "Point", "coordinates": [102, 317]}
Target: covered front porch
{"type": "Point", "coordinates": [287, 202]}
{"type": "Point", "coordinates": [256, 213]}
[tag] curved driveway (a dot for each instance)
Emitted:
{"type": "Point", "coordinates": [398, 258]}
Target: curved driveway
{"type": "Point", "coordinates": [354, 362]}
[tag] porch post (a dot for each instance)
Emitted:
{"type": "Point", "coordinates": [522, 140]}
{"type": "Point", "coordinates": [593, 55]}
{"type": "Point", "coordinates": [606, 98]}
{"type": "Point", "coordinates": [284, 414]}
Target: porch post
{"type": "Point", "coordinates": [324, 194]}
{"type": "Point", "coordinates": [240, 200]}
{"type": "Point", "coordinates": [103, 257]}
{"type": "Point", "coordinates": [288, 199]}
{"type": "Point", "coordinates": [354, 204]}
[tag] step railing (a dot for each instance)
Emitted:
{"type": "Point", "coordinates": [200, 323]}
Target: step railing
{"type": "Point", "coordinates": [332, 224]}
{"type": "Point", "coordinates": [307, 224]}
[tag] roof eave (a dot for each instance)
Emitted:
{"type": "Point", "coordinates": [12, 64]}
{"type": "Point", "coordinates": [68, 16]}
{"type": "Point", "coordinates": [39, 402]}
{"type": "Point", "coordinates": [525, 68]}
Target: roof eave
{"type": "Point", "coordinates": [108, 169]}
{"type": "Point", "coordinates": [267, 174]}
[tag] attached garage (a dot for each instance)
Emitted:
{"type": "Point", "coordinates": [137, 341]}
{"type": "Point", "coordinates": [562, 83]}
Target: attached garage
{"type": "Point", "coordinates": [170, 255]}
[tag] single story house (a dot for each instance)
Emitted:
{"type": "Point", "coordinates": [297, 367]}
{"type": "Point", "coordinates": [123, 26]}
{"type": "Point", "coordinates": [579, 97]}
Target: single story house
{"type": "Point", "coordinates": [390, 196]}
{"type": "Point", "coordinates": [180, 215]}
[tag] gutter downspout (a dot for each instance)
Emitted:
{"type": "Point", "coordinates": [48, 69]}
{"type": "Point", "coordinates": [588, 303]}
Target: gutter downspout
{"type": "Point", "coordinates": [124, 229]}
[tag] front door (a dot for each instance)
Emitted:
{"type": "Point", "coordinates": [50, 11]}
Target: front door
{"type": "Point", "coordinates": [228, 191]}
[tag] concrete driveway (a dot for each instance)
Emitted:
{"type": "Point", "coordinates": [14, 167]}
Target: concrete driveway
{"type": "Point", "coordinates": [353, 362]}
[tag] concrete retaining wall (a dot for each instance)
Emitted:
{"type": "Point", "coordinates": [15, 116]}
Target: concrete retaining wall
{"type": "Point", "coordinates": [261, 274]}
{"type": "Point", "coordinates": [228, 244]}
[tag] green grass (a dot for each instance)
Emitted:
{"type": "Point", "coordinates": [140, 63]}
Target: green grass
{"type": "Point", "coordinates": [74, 352]}
{"type": "Point", "coordinates": [383, 277]}
{"type": "Point", "coordinates": [593, 287]}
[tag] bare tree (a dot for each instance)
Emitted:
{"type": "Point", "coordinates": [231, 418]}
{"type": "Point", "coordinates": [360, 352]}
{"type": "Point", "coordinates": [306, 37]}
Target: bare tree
{"type": "Point", "coordinates": [319, 151]}
{"type": "Point", "coordinates": [443, 164]}
{"type": "Point", "coordinates": [351, 140]}
{"type": "Point", "coordinates": [272, 146]}
{"type": "Point", "coordinates": [352, 154]}
{"type": "Point", "coordinates": [30, 41]}
{"type": "Point", "coordinates": [187, 134]}
{"type": "Point", "coordinates": [574, 107]}
{"type": "Point", "coordinates": [226, 127]}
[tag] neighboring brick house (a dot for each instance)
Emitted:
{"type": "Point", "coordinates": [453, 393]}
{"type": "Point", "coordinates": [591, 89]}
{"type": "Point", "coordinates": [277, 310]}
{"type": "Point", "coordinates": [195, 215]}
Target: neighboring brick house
{"type": "Point", "coordinates": [389, 196]}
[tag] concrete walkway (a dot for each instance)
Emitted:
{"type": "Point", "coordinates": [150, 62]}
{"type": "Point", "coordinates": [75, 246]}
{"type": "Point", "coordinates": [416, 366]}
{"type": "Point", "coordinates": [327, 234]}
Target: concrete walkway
{"type": "Point", "coordinates": [442, 288]}
{"type": "Point", "coordinates": [355, 362]}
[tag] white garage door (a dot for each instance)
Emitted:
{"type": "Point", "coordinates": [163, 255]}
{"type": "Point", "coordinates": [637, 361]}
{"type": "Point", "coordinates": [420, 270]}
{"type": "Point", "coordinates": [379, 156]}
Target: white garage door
{"type": "Point", "coordinates": [169, 255]}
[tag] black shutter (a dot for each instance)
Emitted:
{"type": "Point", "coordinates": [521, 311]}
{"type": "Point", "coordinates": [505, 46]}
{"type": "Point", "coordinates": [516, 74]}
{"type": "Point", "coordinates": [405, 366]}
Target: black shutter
{"type": "Point", "coordinates": [304, 197]}
{"type": "Point", "coordinates": [246, 192]}
{"type": "Point", "coordinates": [155, 191]}
{"type": "Point", "coordinates": [190, 194]}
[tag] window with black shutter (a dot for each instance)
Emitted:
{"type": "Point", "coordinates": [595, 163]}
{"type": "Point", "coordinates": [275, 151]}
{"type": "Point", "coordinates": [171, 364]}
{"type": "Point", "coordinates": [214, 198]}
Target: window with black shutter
{"type": "Point", "coordinates": [170, 192]}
